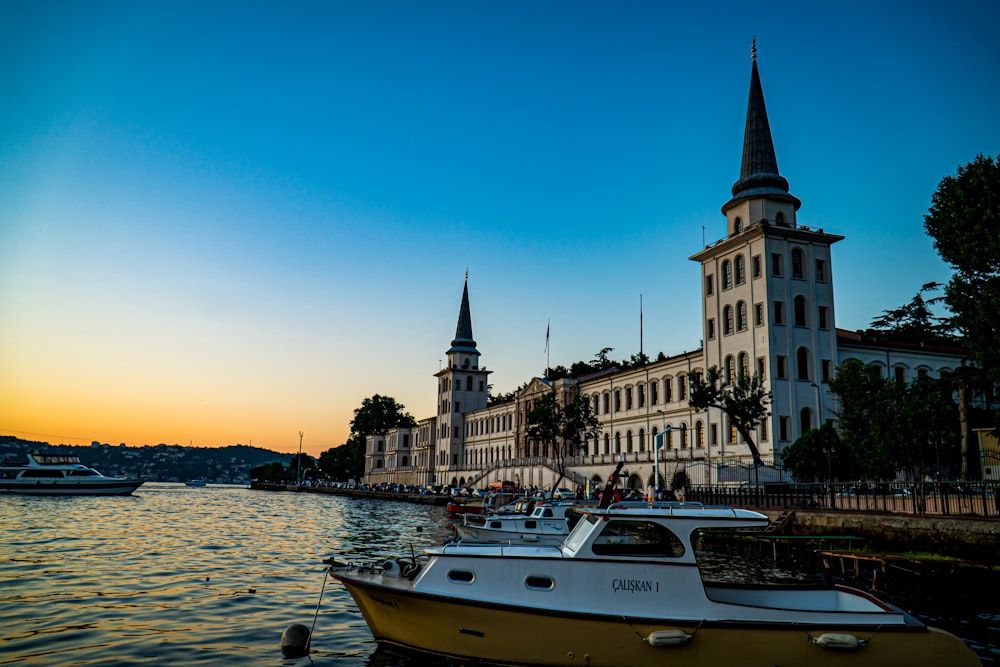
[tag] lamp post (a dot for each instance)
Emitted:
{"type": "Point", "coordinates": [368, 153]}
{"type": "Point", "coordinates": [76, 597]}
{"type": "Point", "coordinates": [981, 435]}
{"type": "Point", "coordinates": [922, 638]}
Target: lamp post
{"type": "Point", "coordinates": [298, 463]}
{"type": "Point", "coordinates": [657, 443]}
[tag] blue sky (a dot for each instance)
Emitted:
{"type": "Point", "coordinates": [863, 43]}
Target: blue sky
{"type": "Point", "coordinates": [228, 222]}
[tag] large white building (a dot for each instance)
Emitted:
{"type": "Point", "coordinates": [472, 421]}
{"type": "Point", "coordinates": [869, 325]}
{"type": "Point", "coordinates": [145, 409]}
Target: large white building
{"type": "Point", "coordinates": [767, 308]}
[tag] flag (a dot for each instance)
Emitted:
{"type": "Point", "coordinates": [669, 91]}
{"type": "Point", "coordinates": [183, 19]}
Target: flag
{"type": "Point", "coordinates": [547, 327]}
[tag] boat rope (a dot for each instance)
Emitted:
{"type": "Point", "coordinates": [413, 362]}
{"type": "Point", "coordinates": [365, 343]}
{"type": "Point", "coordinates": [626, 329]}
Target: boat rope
{"type": "Point", "coordinates": [326, 574]}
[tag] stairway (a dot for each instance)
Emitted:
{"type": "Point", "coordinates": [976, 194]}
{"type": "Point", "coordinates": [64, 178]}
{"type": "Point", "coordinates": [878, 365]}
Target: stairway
{"type": "Point", "coordinates": [778, 524]}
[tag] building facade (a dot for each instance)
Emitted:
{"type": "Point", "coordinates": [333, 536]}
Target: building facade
{"type": "Point", "coordinates": [767, 308]}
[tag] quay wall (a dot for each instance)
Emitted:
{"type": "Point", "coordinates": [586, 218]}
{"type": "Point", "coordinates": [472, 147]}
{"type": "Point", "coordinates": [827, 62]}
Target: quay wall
{"type": "Point", "coordinates": [966, 538]}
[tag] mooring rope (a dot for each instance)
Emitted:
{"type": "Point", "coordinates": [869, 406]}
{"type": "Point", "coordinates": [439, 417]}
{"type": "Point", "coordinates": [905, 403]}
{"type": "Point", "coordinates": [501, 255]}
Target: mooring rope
{"type": "Point", "coordinates": [309, 639]}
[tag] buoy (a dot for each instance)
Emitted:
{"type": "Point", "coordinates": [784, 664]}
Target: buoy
{"type": "Point", "coordinates": [295, 641]}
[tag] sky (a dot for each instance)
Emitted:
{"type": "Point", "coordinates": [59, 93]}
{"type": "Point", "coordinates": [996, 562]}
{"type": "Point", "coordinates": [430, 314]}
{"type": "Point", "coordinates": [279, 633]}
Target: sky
{"type": "Point", "coordinates": [231, 222]}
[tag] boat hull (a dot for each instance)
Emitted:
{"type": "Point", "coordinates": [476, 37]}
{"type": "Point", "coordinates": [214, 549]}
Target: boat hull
{"type": "Point", "coordinates": [70, 487]}
{"type": "Point", "coordinates": [507, 634]}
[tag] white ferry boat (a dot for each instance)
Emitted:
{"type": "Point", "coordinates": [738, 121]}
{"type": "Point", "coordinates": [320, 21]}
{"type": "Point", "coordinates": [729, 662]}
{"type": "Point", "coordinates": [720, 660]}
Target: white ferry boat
{"type": "Point", "coordinates": [59, 474]}
{"type": "Point", "coordinates": [548, 523]}
{"type": "Point", "coordinates": [624, 590]}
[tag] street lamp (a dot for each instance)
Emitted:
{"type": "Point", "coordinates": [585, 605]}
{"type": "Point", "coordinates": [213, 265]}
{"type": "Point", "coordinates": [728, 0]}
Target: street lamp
{"type": "Point", "coordinates": [657, 443]}
{"type": "Point", "coordinates": [298, 463]}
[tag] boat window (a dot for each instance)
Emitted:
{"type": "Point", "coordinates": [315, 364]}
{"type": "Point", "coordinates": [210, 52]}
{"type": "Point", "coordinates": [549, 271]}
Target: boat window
{"type": "Point", "coordinates": [579, 534]}
{"type": "Point", "coordinates": [637, 538]}
{"type": "Point", "coordinates": [83, 473]}
{"type": "Point", "coordinates": [461, 576]}
{"type": "Point", "coordinates": [496, 524]}
{"type": "Point", "coordinates": [537, 582]}
{"type": "Point", "coordinates": [531, 524]}
{"type": "Point", "coordinates": [42, 473]}
{"type": "Point", "coordinates": [547, 513]}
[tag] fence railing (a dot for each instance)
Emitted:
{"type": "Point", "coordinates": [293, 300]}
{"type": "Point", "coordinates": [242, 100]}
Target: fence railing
{"type": "Point", "coordinates": [973, 499]}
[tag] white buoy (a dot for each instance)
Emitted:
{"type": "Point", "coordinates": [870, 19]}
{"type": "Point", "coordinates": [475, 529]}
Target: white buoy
{"type": "Point", "coordinates": [295, 641]}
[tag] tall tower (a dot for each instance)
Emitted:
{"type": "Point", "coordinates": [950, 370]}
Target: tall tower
{"type": "Point", "coordinates": [462, 387]}
{"type": "Point", "coordinates": [767, 296]}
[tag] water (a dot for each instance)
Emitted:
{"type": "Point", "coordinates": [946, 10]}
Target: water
{"type": "Point", "coordinates": [212, 576]}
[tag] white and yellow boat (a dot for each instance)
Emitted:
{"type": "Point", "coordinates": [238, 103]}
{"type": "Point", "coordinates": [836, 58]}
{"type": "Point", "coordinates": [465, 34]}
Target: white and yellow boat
{"type": "Point", "coordinates": [624, 589]}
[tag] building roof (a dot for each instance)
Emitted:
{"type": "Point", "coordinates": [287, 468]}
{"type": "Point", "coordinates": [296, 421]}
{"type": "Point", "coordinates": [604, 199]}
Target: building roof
{"type": "Point", "coordinates": [464, 341]}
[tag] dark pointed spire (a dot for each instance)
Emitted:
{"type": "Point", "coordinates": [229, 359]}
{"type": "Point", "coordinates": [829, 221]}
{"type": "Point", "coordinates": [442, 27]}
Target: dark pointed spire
{"type": "Point", "coordinates": [463, 332]}
{"type": "Point", "coordinates": [759, 169]}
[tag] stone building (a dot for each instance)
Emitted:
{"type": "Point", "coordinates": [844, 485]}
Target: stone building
{"type": "Point", "coordinates": [767, 308]}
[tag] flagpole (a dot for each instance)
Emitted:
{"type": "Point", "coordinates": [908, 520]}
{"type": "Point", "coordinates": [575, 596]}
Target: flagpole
{"type": "Point", "coordinates": [548, 328]}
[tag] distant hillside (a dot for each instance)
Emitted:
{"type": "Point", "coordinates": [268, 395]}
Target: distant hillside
{"type": "Point", "coordinates": [165, 463]}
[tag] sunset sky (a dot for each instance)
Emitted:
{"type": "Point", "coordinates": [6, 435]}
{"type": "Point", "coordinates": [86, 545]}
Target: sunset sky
{"type": "Point", "coordinates": [226, 222]}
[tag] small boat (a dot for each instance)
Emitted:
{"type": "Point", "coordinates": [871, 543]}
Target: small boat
{"type": "Point", "coordinates": [195, 482]}
{"type": "Point", "coordinates": [60, 474]}
{"type": "Point", "coordinates": [485, 506]}
{"type": "Point", "coordinates": [624, 589]}
{"type": "Point", "coordinates": [549, 523]}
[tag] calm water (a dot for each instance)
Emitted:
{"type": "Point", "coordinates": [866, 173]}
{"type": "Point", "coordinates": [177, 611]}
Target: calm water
{"type": "Point", "coordinates": [212, 576]}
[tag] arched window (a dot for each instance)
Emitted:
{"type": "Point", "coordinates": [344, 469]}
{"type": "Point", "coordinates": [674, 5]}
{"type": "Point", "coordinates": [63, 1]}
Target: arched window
{"type": "Point", "coordinates": [727, 274]}
{"type": "Point", "coordinates": [741, 270]}
{"type": "Point", "coordinates": [699, 435]}
{"type": "Point", "coordinates": [800, 311]}
{"type": "Point", "coordinates": [805, 420]}
{"type": "Point", "coordinates": [607, 443]}
{"type": "Point", "coordinates": [642, 439]}
{"type": "Point", "coordinates": [618, 442]}
{"type": "Point", "coordinates": [738, 225]}
{"type": "Point", "coordinates": [628, 441]}
{"type": "Point", "coordinates": [802, 363]}
{"type": "Point", "coordinates": [684, 436]}
{"type": "Point", "coordinates": [741, 316]}
{"type": "Point", "coordinates": [727, 320]}
{"type": "Point", "coordinates": [796, 263]}
{"type": "Point", "coordinates": [744, 365]}
{"type": "Point", "coordinates": [730, 370]}
{"type": "Point", "coordinates": [780, 218]}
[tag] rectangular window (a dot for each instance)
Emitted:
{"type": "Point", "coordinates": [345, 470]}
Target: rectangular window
{"type": "Point", "coordinates": [642, 395]}
{"type": "Point", "coordinates": [755, 266]}
{"type": "Point", "coordinates": [713, 435]}
{"type": "Point", "coordinates": [668, 393]}
{"type": "Point", "coordinates": [758, 314]}
{"type": "Point", "coordinates": [653, 389]}
{"type": "Point", "coordinates": [618, 400]}
{"type": "Point", "coordinates": [825, 366]}
{"type": "Point", "coordinates": [783, 428]}
{"type": "Point", "coordinates": [458, 406]}
{"type": "Point", "coordinates": [779, 312]}
{"type": "Point", "coordinates": [682, 388]}
{"type": "Point", "coordinates": [710, 329]}
{"type": "Point", "coordinates": [763, 431]}
{"type": "Point", "coordinates": [779, 362]}
{"type": "Point", "coordinates": [709, 286]}
{"type": "Point", "coordinates": [821, 317]}
{"type": "Point", "coordinates": [761, 367]}
{"type": "Point", "coordinates": [820, 271]}
{"type": "Point", "coordinates": [775, 263]}
{"type": "Point", "coordinates": [628, 398]}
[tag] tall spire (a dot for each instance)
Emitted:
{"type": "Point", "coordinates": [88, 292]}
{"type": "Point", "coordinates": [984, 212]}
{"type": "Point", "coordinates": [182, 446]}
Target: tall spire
{"type": "Point", "coordinates": [463, 332]}
{"type": "Point", "coordinates": [759, 169]}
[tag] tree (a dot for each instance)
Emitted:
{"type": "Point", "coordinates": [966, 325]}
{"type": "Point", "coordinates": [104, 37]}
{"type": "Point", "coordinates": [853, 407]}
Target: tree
{"type": "Point", "coordinates": [866, 421]}
{"type": "Point", "coordinates": [564, 428]}
{"type": "Point", "coordinates": [379, 414]}
{"type": "Point", "coordinates": [964, 221]}
{"type": "Point", "coordinates": [820, 454]}
{"type": "Point", "coordinates": [915, 322]}
{"type": "Point", "coordinates": [928, 432]}
{"type": "Point", "coordinates": [744, 401]}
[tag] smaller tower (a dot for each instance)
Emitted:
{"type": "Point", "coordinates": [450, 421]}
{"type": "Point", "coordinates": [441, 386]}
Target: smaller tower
{"type": "Point", "coordinates": [462, 387]}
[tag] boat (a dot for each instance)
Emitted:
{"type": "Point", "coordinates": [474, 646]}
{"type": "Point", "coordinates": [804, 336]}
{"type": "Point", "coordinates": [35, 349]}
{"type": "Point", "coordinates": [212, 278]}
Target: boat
{"type": "Point", "coordinates": [624, 589]}
{"type": "Point", "coordinates": [485, 506]}
{"type": "Point", "coordinates": [548, 523]}
{"type": "Point", "coordinates": [60, 474]}
{"type": "Point", "coordinates": [195, 482]}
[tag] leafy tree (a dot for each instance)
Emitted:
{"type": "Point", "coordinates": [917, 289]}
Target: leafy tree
{"type": "Point", "coordinates": [377, 414]}
{"type": "Point", "coordinates": [269, 472]}
{"type": "Point", "coordinates": [564, 428]}
{"type": "Point", "coordinates": [820, 454]}
{"type": "Point", "coordinates": [744, 401]}
{"type": "Point", "coordinates": [915, 322]}
{"type": "Point", "coordinates": [866, 423]}
{"type": "Point", "coordinates": [928, 432]}
{"type": "Point", "coordinates": [964, 221]}
{"type": "Point", "coordinates": [601, 361]}
{"type": "Point", "coordinates": [300, 464]}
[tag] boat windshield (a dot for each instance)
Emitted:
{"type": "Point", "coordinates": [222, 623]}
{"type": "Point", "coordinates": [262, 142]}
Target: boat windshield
{"type": "Point", "coordinates": [577, 536]}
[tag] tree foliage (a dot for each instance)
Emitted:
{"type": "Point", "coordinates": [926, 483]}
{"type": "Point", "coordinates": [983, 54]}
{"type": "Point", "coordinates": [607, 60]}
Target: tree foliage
{"type": "Point", "coordinates": [564, 428]}
{"type": "Point", "coordinates": [745, 401]}
{"type": "Point", "coordinates": [820, 454]}
{"type": "Point", "coordinates": [964, 221]}
{"type": "Point", "coordinates": [377, 414]}
{"type": "Point", "coordinates": [916, 322]}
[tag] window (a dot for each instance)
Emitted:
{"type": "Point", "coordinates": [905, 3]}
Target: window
{"type": "Point", "coordinates": [641, 390]}
{"type": "Point", "coordinates": [607, 403]}
{"type": "Point", "coordinates": [681, 388]}
{"type": "Point", "coordinates": [710, 329]}
{"type": "Point", "coordinates": [820, 271]}
{"type": "Point", "coordinates": [763, 430]}
{"type": "Point", "coordinates": [637, 538]}
{"type": "Point", "coordinates": [783, 428]}
{"type": "Point", "coordinates": [535, 582]}
{"type": "Point", "coordinates": [730, 375]}
{"type": "Point", "coordinates": [780, 218]}
{"type": "Point", "coordinates": [727, 274]}
{"type": "Point", "coordinates": [796, 263]}
{"type": "Point", "coordinates": [741, 316]}
{"type": "Point", "coordinates": [779, 371]}
{"type": "Point", "coordinates": [618, 400]}
{"type": "Point", "coordinates": [755, 266]}
{"type": "Point", "coordinates": [699, 435]}
{"type": "Point", "coordinates": [758, 314]}
{"type": "Point", "coordinates": [744, 364]}
{"type": "Point", "coordinates": [802, 363]}
{"type": "Point", "coordinates": [825, 365]}
{"type": "Point", "coordinates": [628, 398]}
{"type": "Point", "coordinates": [709, 285]}
{"type": "Point", "coordinates": [738, 225]}
{"type": "Point", "coordinates": [761, 367]}
{"type": "Point", "coordinates": [653, 390]}
{"type": "Point", "coordinates": [779, 312]}
{"type": "Point", "coordinates": [776, 263]}
{"type": "Point", "coordinates": [458, 406]}
{"type": "Point", "coordinates": [461, 576]}
{"type": "Point", "coordinates": [741, 270]}
{"type": "Point", "coordinates": [668, 394]}
{"type": "Point", "coordinates": [900, 375]}
{"type": "Point", "coordinates": [821, 317]}
{"type": "Point", "coordinates": [800, 311]}
{"type": "Point", "coordinates": [727, 320]}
